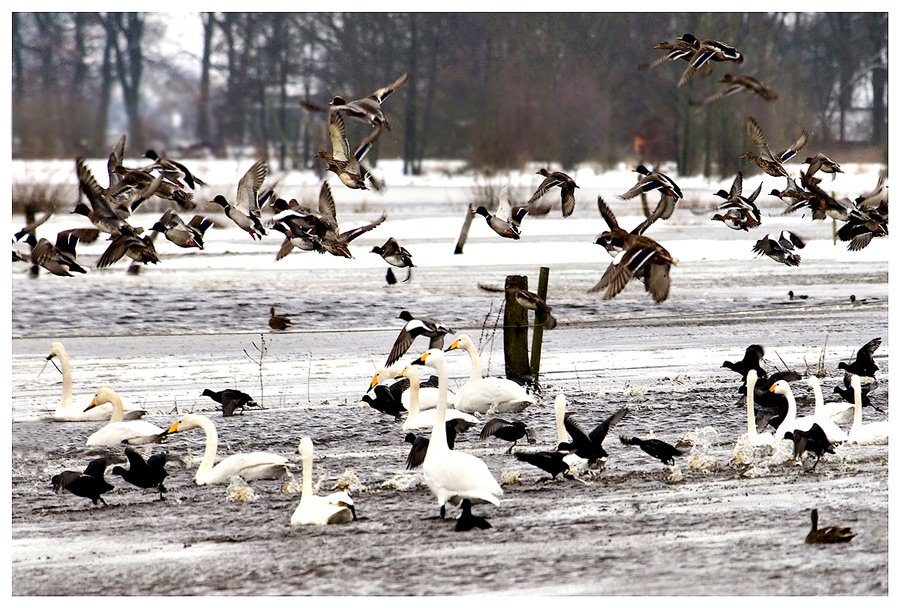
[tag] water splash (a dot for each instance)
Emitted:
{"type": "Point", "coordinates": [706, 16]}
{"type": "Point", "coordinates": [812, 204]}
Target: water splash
{"type": "Point", "coordinates": [239, 491]}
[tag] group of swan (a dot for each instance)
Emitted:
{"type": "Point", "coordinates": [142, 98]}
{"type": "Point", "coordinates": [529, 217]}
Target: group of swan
{"type": "Point", "coordinates": [67, 412]}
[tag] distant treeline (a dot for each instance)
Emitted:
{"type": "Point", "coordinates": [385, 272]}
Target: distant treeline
{"type": "Point", "coordinates": [494, 89]}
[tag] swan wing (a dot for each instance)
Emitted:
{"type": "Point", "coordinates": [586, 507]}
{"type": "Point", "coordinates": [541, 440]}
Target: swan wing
{"type": "Point", "coordinates": [250, 466]}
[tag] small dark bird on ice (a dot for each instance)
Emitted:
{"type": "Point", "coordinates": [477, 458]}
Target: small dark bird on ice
{"type": "Point", "coordinates": [90, 484]}
{"type": "Point", "coordinates": [657, 448]}
{"type": "Point", "coordinates": [864, 365]}
{"type": "Point", "coordinates": [507, 431]}
{"type": "Point", "coordinates": [142, 473]}
{"type": "Point", "coordinates": [230, 400]}
{"type": "Point", "coordinates": [829, 534]}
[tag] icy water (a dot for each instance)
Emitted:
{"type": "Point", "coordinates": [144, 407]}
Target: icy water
{"type": "Point", "coordinates": [635, 526]}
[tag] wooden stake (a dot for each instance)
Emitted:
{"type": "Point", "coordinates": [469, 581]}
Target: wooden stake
{"type": "Point", "coordinates": [464, 231]}
{"type": "Point", "coordinates": [537, 335]}
{"type": "Point", "coordinates": [515, 330]}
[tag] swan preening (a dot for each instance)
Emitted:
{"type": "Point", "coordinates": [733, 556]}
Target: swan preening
{"type": "Point", "coordinates": [874, 433]}
{"type": "Point", "coordinates": [451, 475]}
{"type": "Point", "coordinates": [427, 419]}
{"type": "Point", "coordinates": [116, 431]}
{"type": "Point", "coordinates": [66, 412]}
{"type": "Point", "coordinates": [250, 466]}
{"type": "Point", "coordinates": [479, 394]}
{"type": "Point", "coordinates": [336, 508]}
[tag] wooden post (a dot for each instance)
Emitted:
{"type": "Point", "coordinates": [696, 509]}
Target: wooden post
{"type": "Point", "coordinates": [537, 334]}
{"type": "Point", "coordinates": [34, 270]}
{"type": "Point", "coordinates": [464, 231]}
{"type": "Point", "coordinates": [515, 330]}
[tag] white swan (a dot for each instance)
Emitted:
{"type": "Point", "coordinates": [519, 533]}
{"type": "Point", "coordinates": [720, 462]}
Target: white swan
{"type": "Point", "coordinates": [576, 463]}
{"type": "Point", "coordinates": [426, 420]}
{"type": "Point", "coordinates": [452, 475]}
{"type": "Point", "coordinates": [66, 412]}
{"type": "Point", "coordinates": [751, 439]}
{"type": "Point", "coordinates": [480, 394]}
{"type": "Point", "coordinates": [250, 466]}
{"type": "Point", "coordinates": [428, 395]}
{"type": "Point", "coordinates": [820, 416]}
{"type": "Point", "coordinates": [874, 433]}
{"type": "Point", "coordinates": [792, 423]}
{"type": "Point", "coordinates": [840, 412]}
{"type": "Point", "coordinates": [335, 508]}
{"type": "Point", "coordinates": [116, 431]}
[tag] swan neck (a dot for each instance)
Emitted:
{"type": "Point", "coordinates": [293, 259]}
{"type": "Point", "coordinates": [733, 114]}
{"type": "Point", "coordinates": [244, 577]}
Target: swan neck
{"type": "Point", "coordinates": [209, 452]}
{"type": "Point", "coordinates": [413, 376]}
{"type": "Point", "coordinates": [857, 408]}
{"type": "Point", "coordinates": [788, 423]}
{"type": "Point", "coordinates": [476, 373]}
{"type": "Point", "coordinates": [751, 415]}
{"type": "Point", "coordinates": [66, 399]}
{"type": "Point", "coordinates": [118, 410]}
{"type": "Point", "coordinates": [306, 489]}
{"type": "Point", "coordinates": [438, 439]}
{"type": "Point", "coordinates": [560, 410]}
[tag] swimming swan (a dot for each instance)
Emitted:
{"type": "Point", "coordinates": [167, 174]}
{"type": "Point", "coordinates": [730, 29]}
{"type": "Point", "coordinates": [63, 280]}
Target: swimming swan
{"type": "Point", "coordinates": [480, 394]}
{"type": "Point", "coordinates": [451, 475]}
{"type": "Point", "coordinates": [66, 412]}
{"type": "Point", "coordinates": [426, 420]}
{"type": "Point", "coordinates": [250, 466]}
{"type": "Point", "coordinates": [315, 510]}
{"type": "Point", "coordinates": [791, 422]}
{"type": "Point", "coordinates": [751, 439]}
{"type": "Point", "coordinates": [821, 416]}
{"type": "Point", "coordinates": [874, 433]}
{"type": "Point", "coordinates": [116, 431]}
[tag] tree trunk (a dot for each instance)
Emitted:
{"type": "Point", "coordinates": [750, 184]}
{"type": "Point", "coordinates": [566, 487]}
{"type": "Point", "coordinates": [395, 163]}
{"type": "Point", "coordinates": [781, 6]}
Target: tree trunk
{"type": "Point", "coordinates": [202, 132]}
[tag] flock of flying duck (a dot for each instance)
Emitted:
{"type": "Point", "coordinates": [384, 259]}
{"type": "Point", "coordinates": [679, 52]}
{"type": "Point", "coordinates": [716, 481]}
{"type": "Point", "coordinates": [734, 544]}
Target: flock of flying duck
{"type": "Point", "coordinates": [453, 476]}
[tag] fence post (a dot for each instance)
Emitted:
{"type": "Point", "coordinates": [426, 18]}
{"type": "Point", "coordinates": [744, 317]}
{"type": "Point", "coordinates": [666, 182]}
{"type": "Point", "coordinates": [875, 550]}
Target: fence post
{"type": "Point", "coordinates": [464, 231]}
{"type": "Point", "coordinates": [515, 330]}
{"type": "Point", "coordinates": [537, 335]}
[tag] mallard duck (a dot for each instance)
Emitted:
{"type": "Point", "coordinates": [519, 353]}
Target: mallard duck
{"type": "Point", "coordinates": [752, 358]}
{"type": "Point", "coordinates": [245, 210]}
{"type": "Point", "coordinates": [142, 473]}
{"type": "Point", "coordinates": [543, 313]}
{"type": "Point", "coordinates": [105, 216]}
{"type": "Point", "coordinates": [864, 364]}
{"type": "Point", "coordinates": [779, 249]}
{"type": "Point", "coordinates": [60, 258]}
{"type": "Point", "coordinates": [506, 220]}
{"type": "Point", "coordinates": [140, 249]}
{"type": "Point", "coordinates": [566, 185]}
{"type": "Point", "coordinates": [706, 50]}
{"type": "Point", "coordinates": [589, 445]}
{"type": "Point", "coordinates": [174, 167]}
{"type": "Point", "coordinates": [278, 322]}
{"type": "Point", "coordinates": [616, 239]}
{"type": "Point", "coordinates": [859, 231]}
{"type": "Point", "coordinates": [830, 534]}
{"type": "Point", "coordinates": [653, 180]}
{"type": "Point", "coordinates": [737, 83]}
{"type": "Point", "coordinates": [675, 51]}
{"type": "Point", "coordinates": [822, 163]}
{"type": "Point", "coordinates": [89, 484]}
{"type": "Point", "coordinates": [640, 256]}
{"type": "Point", "coordinates": [184, 235]}
{"type": "Point", "coordinates": [432, 329]}
{"type": "Point", "coordinates": [367, 109]}
{"type": "Point", "coordinates": [768, 162]}
{"type": "Point", "coordinates": [507, 431]}
{"type": "Point", "coordinates": [348, 167]}
{"type": "Point", "coordinates": [876, 196]}
{"type": "Point", "coordinates": [137, 184]}
{"type": "Point", "coordinates": [657, 448]}
{"type": "Point", "coordinates": [395, 255]}
{"type": "Point", "coordinates": [230, 399]}
{"type": "Point", "coordinates": [741, 212]}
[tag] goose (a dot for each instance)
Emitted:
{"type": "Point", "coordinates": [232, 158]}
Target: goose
{"type": "Point", "coordinates": [416, 419]}
{"type": "Point", "coordinates": [315, 510]}
{"type": "Point", "coordinates": [66, 412]}
{"type": "Point", "coordinates": [245, 210]}
{"type": "Point", "coordinates": [451, 475]}
{"type": "Point", "coordinates": [874, 433]}
{"type": "Point", "coordinates": [90, 484]}
{"type": "Point", "coordinates": [507, 431]}
{"type": "Point", "coordinates": [480, 394]}
{"type": "Point", "coordinates": [566, 185]}
{"type": "Point", "coordinates": [657, 448]}
{"type": "Point", "coordinates": [118, 430]}
{"type": "Point", "coordinates": [830, 534]}
{"type": "Point", "coordinates": [752, 437]}
{"type": "Point", "coordinates": [230, 399]}
{"type": "Point", "coordinates": [768, 162]}
{"type": "Point", "coordinates": [432, 329]}
{"type": "Point", "coordinates": [142, 473]}
{"type": "Point", "coordinates": [250, 466]}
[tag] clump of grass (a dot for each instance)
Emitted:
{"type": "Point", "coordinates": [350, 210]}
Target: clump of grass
{"type": "Point", "coordinates": [39, 196]}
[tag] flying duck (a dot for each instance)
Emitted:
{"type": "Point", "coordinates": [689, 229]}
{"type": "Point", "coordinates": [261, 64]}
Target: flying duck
{"type": "Point", "coordinates": [367, 109]}
{"type": "Point", "coordinates": [183, 235]}
{"type": "Point", "coordinates": [415, 327]}
{"type": "Point", "coordinates": [566, 185]}
{"type": "Point", "coordinates": [245, 210]}
{"type": "Point", "coordinates": [704, 51]}
{"type": "Point", "coordinates": [347, 167]}
{"type": "Point", "coordinates": [395, 255]}
{"type": "Point", "coordinates": [768, 162]}
{"type": "Point", "coordinates": [737, 83]}
{"type": "Point", "coordinates": [507, 219]}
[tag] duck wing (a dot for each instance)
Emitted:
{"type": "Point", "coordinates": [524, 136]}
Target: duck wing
{"type": "Point", "coordinates": [600, 431]}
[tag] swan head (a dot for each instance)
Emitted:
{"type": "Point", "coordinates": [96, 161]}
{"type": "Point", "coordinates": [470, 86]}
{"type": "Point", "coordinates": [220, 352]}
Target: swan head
{"type": "Point", "coordinates": [56, 350]}
{"type": "Point", "coordinates": [103, 395]}
{"type": "Point", "coordinates": [431, 357]}
{"type": "Point", "coordinates": [463, 341]}
{"type": "Point", "coordinates": [305, 447]}
{"type": "Point", "coordinates": [813, 382]}
{"type": "Point", "coordinates": [781, 387]}
{"type": "Point", "coordinates": [186, 423]}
